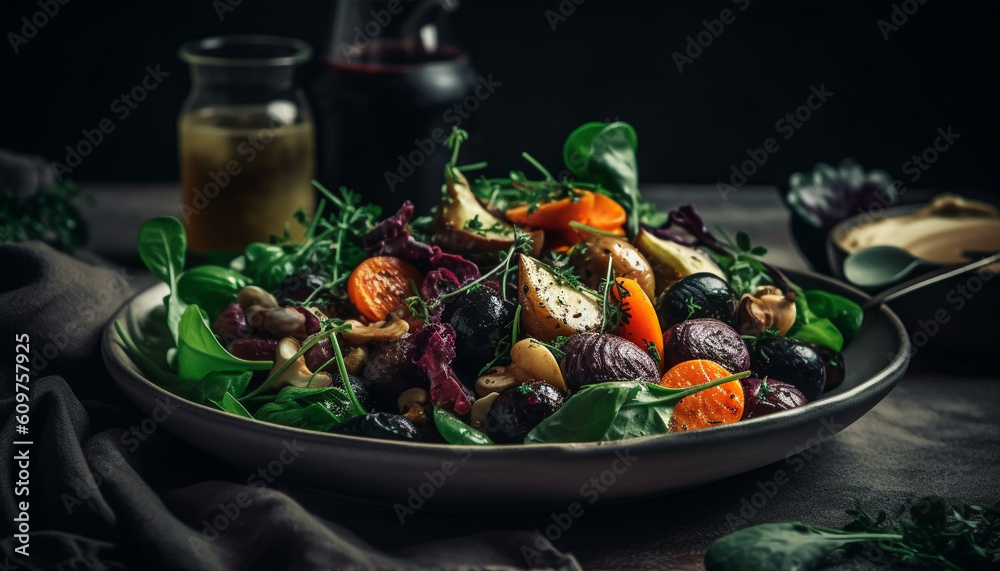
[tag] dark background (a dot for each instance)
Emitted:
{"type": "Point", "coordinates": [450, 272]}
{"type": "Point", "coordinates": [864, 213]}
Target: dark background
{"type": "Point", "coordinates": [606, 60]}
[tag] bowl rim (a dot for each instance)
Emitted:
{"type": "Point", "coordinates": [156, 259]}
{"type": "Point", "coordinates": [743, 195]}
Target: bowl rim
{"type": "Point", "coordinates": [880, 383]}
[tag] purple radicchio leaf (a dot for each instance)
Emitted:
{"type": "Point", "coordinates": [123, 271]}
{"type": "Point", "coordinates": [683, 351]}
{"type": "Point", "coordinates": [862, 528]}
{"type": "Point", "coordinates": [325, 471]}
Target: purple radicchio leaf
{"type": "Point", "coordinates": [827, 195]}
{"type": "Point", "coordinates": [434, 349]}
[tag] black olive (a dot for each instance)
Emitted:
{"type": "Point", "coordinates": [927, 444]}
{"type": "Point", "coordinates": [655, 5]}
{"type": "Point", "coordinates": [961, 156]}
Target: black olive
{"type": "Point", "coordinates": [521, 408]}
{"type": "Point", "coordinates": [834, 362]}
{"type": "Point", "coordinates": [299, 286]}
{"type": "Point", "coordinates": [764, 396]}
{"type": "Point", "coordinates": [696, 296]}
{"type": "Point", "coordinates": [383, 425]}
{"type": "Point", "coordinates": [791, 361]}
{"type": "Point", "coordinates": [481, 319]}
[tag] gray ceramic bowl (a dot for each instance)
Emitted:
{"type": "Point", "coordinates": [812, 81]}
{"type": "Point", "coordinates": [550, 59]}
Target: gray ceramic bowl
{"type": "Point", "coordinates": [521, 477]}
{"type": "Point", "coordinates": [959, 314]}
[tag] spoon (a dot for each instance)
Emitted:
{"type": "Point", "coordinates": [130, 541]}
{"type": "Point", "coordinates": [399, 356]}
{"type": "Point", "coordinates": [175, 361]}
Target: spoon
{"type": "Point", "coordinates": [879, 267]}
{"type": "Point", "coordinates": [924, 281]}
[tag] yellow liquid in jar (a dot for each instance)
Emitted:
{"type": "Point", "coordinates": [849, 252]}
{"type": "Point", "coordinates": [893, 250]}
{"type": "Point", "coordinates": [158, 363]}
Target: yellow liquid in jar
{"type": "Point", "coordinates": [243, 176]}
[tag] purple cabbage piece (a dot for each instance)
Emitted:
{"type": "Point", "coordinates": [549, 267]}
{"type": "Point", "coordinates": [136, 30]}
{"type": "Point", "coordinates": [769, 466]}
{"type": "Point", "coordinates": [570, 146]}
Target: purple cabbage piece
{"type": "Point", "coordinates": [827, 195]}
{"type": "Point", "coordinates": [434, 349]}
{"type": "Point", "coordinates": [390, 237]}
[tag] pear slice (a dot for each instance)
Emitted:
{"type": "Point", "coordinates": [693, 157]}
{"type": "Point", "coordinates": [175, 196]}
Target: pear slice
{"type": "Point", "coordinates": [671, 261]}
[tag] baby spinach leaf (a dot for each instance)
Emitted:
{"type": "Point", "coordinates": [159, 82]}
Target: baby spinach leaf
{"type": "Point", "coordinates": [210, 287]}
{"type": "Point", "coordinates": [820, 332]}
{"type": "Point", "coordinates": [232, 406]}
{"type": "Point", "coordinates": [842, 312]}
{"type": "Point", "coordinates": [613, 411]}
{"type": "Point", "coordinates": [604, 153]}
{"type": "Point", "coordinates": [162, 243]}
{"type": "Point", "coordinates": [586, 416]}
{"type": "Point", "coordinates": [267, 264]}
{"type": "Point", "coordinates": [215, 385]}
{"type": "Point", "coordinates": [455, 431]}
{"type": "Point", "coordinates": [199, 352]}
{"type": "Point", "coordinates": [780, 546]}
{"type": "Point", "coordinates": [311, 408]}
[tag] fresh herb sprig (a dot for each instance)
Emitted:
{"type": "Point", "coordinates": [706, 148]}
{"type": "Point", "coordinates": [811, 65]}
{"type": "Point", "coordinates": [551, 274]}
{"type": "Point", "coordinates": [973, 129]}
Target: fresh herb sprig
{"type": "Point", "coordinates": [933, 536]}
{"type": "Point", "coordinates": [744, 266]}
{"type": "Point", "coordinates": [51, 215]}
{"type": "Point", "coordinates": [503, 193]}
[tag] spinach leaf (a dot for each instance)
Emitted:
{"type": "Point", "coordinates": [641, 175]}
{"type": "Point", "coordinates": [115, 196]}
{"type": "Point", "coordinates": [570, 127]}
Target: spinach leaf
{"type": "Point", "coordinates": [311, 408]}
{"type": "Point", "coordinates": [232, 406]}
{"type": "Point", "coordinates": [266, 264]}
{"type": "Point", "coordinates": [780, 546]}
{"type": "Point", "coordinates": [826, 319]}
{"type": "Point", "coordinates": [604, 153]}
{"type": "Point", "coordinates": [162, 243]}
{"type": "Point", "coordinates": [455, 431]}
{"type": "Point", "coordinates": [842, 312]}
{"type": "Point", "coordinates": [199, 352]}
{"type": "Point", "coordinates": [820, 332]}
{"type": "Point", "coordinates": [211, 287]}
{"type": "Point", "coordinates": [613, 411]}
{"type": "Point", "coordinates": [586, 416]}
{"type": "Point", "coordinates": [215, 385]}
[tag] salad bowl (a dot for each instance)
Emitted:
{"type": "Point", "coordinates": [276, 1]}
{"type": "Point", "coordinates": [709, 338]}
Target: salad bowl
{"type": "Point", "coordinates": [411, 476]}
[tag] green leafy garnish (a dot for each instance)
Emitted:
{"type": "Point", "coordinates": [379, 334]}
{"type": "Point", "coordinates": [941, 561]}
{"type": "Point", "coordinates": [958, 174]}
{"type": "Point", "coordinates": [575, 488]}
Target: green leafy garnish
{"type": "Point", "coordinates": [604, 154]}
{"type": "Point", "coordinates": [199, 352]}
{"type": "Point", "coordinates": [613, 411]}
{"type": "Point", "coordinates": [934, 536]}
{"type": "Point", "coordinates": [162, 246]}
{"type": "Point", "coordinates": [51, 215]}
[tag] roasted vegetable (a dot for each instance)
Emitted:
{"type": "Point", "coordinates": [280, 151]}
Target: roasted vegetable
{"type": "Point", "coordinates": [705, 339]}
{"type": "Point", "coordinates": [670, 262]}
{"type": "Point", "coordinates": [382, 425]}
{"type": "Point", "coordinates": [590, 260]}
{"type": "Point", "coordinates": [550, 306]}
{"type": "Point", "coordinates": [722, 404]}
{"type": "Point", "coordinates": [601, 358]}
{"type": "Point", "coordinates": [765, 396]}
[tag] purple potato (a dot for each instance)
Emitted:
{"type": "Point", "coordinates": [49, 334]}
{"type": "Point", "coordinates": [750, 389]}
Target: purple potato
{"type": "Point", "coordinates": [705, 338]}
{"type": "Point", "coordinates": [834, 363]}
{"type": "Point", "coordinates": [601, 357]}
{"type": "Point", "coordinates": [765, 396]}
{"type": "Point", "coordinates": [790, 360]}
{"type": "Point", "coordinates": [319, 354]}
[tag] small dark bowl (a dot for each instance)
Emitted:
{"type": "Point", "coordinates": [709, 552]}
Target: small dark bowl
{"type": "Point", "coordinates": [960, 315]}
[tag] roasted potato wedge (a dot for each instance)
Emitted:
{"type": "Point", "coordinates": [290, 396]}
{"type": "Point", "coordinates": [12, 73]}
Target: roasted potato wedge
{"type": "Point", "coordinates": [550, 307]}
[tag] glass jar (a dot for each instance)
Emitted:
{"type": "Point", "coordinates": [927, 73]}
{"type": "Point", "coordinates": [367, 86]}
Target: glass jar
{"type": "Point", "coordinates": [247, 149]}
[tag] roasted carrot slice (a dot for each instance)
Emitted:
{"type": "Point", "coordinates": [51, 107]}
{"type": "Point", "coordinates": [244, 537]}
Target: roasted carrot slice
{"type": "Point", "coordinates": [606, 214]}
{"type": "Point", "coordinates": [554, 215]}
{"type": "Point", "coordinates": [718, 405]}
{"type": "Point", "coordinates": [380, 285]}
{"type": "Point", "coordinates": [641, 325]}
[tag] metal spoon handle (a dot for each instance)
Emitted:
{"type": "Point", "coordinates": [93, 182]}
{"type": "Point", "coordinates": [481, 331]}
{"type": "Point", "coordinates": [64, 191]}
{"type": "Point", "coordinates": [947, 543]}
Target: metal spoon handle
{"type": "Point", "coordinates": [924, 281]}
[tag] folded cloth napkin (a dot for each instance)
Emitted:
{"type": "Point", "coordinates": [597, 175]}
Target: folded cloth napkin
{"type": "Point", "coordinates": [98, 500]}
